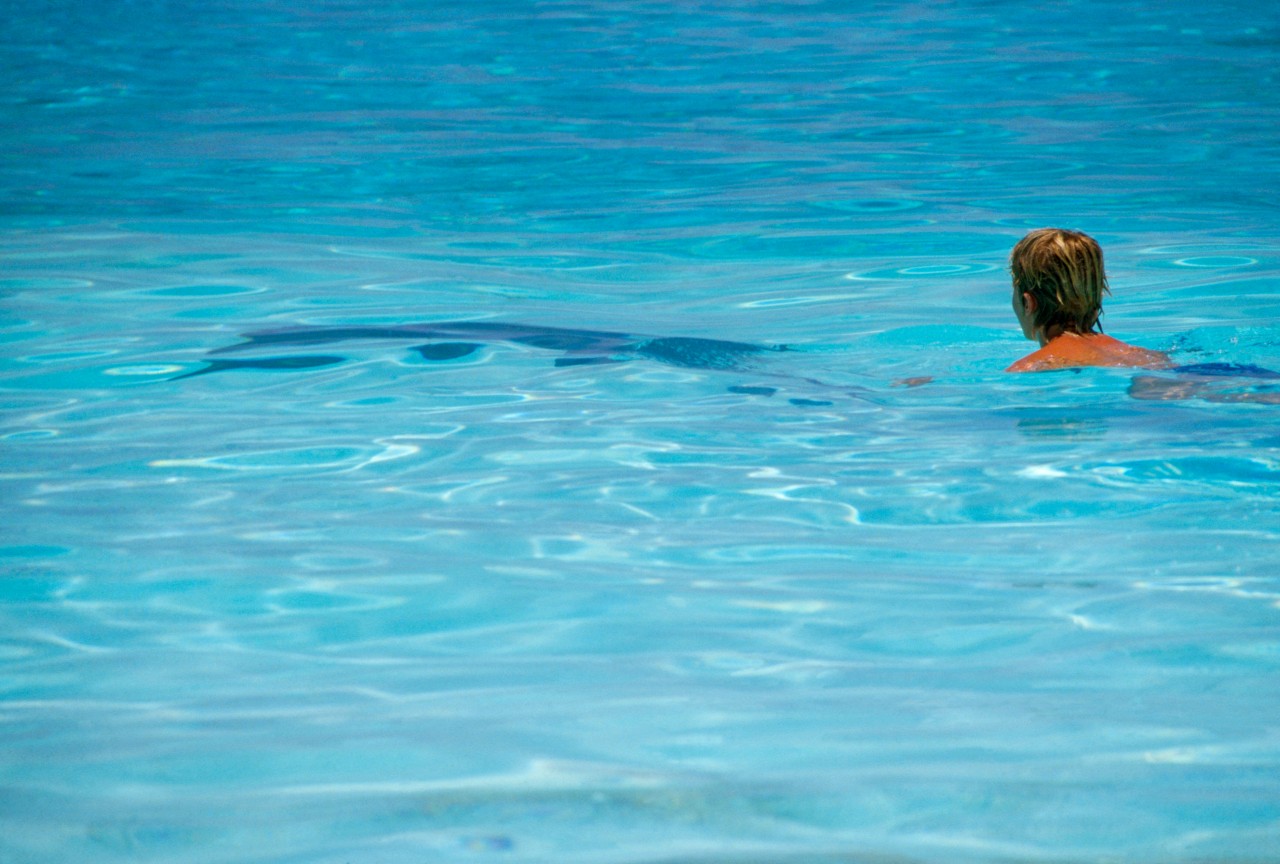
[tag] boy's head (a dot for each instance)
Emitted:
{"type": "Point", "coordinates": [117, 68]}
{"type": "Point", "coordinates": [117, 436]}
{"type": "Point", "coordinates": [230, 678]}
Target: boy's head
{"type": "Point", "coordinates": [1058, 281]}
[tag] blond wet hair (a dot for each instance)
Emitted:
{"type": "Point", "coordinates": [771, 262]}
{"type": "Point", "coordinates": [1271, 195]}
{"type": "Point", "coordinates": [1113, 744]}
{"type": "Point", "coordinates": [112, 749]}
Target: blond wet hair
{"type": "Point", "coordinates": [1063, 271]}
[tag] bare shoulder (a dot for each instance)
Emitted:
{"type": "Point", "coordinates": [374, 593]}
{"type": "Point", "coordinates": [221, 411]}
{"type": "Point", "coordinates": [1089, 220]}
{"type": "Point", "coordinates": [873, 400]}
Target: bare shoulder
{"type": "Point", "coordinates": [1072, 351]}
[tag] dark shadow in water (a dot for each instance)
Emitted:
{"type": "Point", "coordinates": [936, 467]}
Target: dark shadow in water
{"type": "Point", "coordinates": [1212, 382]}
{"type": "Point", "coordinates": [302, 361]}
{"type": "Point", "coordinates": [584, 346]}
{"type": "Point", "coordinates": [444, 342]}
{"type": "Point", "coordinates": [446, 350]}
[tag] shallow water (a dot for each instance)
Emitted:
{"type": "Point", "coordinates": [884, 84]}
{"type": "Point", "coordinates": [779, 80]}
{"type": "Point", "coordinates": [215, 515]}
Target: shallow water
{"type": "Point", "coordinates": [487, 608]}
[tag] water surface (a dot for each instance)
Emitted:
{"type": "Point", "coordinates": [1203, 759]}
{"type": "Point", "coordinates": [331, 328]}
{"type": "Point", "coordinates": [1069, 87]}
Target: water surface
{"type": "Point", "coordinates": [407, 608]}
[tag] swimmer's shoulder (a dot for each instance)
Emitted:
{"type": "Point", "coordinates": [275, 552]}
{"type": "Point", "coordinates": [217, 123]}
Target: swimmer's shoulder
{"type": "Point", "coordinates": [1071, 351]}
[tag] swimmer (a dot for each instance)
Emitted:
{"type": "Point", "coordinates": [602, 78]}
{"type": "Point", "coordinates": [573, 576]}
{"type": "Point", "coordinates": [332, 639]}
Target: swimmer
{"type": "Point", "coordinates": [1058, 283]}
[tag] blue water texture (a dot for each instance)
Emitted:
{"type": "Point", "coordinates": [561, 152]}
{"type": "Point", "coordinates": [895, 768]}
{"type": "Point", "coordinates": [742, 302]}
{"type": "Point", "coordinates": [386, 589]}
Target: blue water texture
{"type": "Point", "coordinates": [497, 432]}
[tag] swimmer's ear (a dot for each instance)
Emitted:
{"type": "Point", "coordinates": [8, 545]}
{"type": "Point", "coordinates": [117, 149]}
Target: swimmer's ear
{"type": "Point", "coordinates": [1029, 302]}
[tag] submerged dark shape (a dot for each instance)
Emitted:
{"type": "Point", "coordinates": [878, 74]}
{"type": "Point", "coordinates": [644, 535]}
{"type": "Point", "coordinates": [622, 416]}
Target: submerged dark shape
{"type": "Point", "coordinates": [446, 350]}
{"type": "Point", "coordinates": [452, 340]}
{"type": "Point", "coordinates": [1212, 382]}
{"type": "Point", "coordinates": [585, 361]}
{"type": "Point", "coordinates": [700, 353]}
{"type": "Point", "coordinates": [584, 346]}
{"type": "Point", "coordinates": [555, 338]}
{"type": "Point", "coordinates": [299, 362]}
{"type": "Point", "coordinates": [1227, 370]}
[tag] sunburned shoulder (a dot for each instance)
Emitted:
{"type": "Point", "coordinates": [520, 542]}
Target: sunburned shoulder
{"type": "Point", "coordinates": [1072, 350]}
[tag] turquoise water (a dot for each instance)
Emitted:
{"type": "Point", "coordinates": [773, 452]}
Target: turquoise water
{"type": "Point", "coordinates": [489, 608]}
